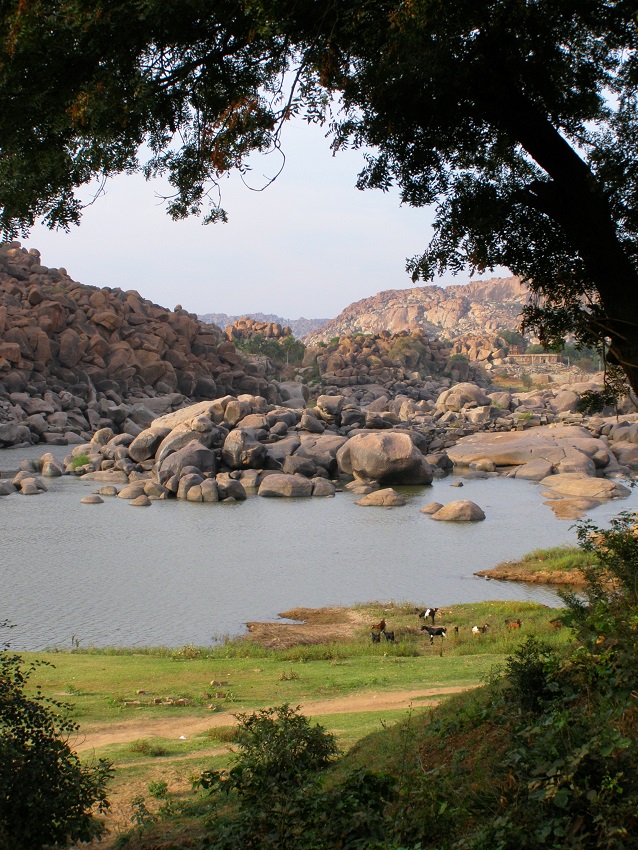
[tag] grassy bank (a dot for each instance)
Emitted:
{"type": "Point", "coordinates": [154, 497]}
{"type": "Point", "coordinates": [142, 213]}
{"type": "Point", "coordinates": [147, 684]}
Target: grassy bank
{"type": "Point", "coordinates": [165, 715]}
{"type": "Point", "coordinates": [557, 565]}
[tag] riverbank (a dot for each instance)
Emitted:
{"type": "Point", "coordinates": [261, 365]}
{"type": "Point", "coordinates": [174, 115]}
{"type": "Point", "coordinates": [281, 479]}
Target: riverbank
{"type": "Point", "coordinates": [166, 715]}
{"type": "Point", "coordinates": [561, 565]}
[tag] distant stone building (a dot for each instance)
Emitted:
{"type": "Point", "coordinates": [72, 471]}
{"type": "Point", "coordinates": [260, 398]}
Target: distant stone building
{"type": "Point", "coordinates": [541, 358]}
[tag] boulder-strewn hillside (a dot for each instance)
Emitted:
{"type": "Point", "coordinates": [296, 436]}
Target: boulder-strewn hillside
{"type": "Point", "coordinates": [403, 363]}
{"type": "Point", "coordinates": [299, 327]}
{"type": "Point", "coordinates": [69, 353]}
{"type": "Point", "coordinates": [476, 307]}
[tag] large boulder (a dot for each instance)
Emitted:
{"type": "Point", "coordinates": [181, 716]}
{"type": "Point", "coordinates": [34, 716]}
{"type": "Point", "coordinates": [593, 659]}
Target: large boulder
{"type": "Point", "coordinates": [329, 408]}
{"type": "Point", "coordinates": [277, 453]}
{"type": "Point", "coordinates": [462, 395]}
{"type": "Point", "coordinates": [387, 457]}
{"type": "Point", "coordinates": [386, 498]}
{"type": "Point", "coordinates": [146, 444]}
{"type": "Point", "coordinates": [281, 485]}
{"type": "Point", "coordinates": [462, 510]}
{"type": "Point", "coordinates": [293, 394]}
{"type": "Point", "coordinates": [322, 449]}
{"type": "Point", "coordinates": [242, 451]}
{"type": "Point", "coordinates": [193, 454]}
{"type": "Point", "coordinates": [200, 429]}
{"type": "Point", "coordinates": [230, 488]}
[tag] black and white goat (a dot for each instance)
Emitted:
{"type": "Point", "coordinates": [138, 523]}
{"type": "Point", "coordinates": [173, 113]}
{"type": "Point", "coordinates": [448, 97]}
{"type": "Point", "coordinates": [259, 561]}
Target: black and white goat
{"type": "Point", "coordinates": [435, 631]}
{"type": "Point", "coordinates": [428, 612]}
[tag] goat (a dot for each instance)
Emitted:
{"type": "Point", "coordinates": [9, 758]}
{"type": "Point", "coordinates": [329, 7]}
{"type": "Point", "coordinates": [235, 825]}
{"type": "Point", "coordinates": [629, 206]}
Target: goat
{"type": "Point", "coordinates": [376, 637]}
{"type": "Point", "coordinates": [428, 612]}
{"type": "Point", "coordinates": [557, 623]}
{"type": "Point", "coordinates": [435, 631]}
{"type": "Point", "coordinates": [480, 629]}
{"type": "Point", "coordinates": [380, 627]}
{"type": "Point", "coordinates": [513, 624]}
{"type": "Point", "coordinates": [389, 636]}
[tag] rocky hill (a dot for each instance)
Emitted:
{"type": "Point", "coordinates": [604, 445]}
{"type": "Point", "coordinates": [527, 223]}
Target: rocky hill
{"type": "Point", "coordinates": [77, 357]}
{"type": "Point", "coordinates": [299, 327]}
{"type": "Point", "coordinates": [478, 307]}
{"type": "Point", "coordinates": [408, 363]}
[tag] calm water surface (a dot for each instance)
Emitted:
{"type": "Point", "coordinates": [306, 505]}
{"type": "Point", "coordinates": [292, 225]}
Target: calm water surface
{"type": "Point", "coordinates": [178, 573]}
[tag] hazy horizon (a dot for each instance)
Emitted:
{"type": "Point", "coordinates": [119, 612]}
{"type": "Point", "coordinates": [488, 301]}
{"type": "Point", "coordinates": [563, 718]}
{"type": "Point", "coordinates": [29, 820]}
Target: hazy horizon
{"type": "Point", "coordinates": [307, 246]}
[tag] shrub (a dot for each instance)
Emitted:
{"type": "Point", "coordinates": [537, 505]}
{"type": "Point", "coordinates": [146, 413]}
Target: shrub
{"type": "Point", "coordinates": [80, 460]}
{"type": "Point", "coordinates": [47, 796]}
{"type": "Point", "coordinates": [147, 748]}
{"type": "Point", "coordinates": [279, 802]}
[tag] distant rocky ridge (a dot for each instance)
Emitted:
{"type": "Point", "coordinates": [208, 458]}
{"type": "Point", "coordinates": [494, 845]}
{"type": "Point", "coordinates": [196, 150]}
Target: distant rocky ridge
{"type": "Point", "coordinates": [299, 327]}
{"type": "Point", "coordinates": [478, 307]}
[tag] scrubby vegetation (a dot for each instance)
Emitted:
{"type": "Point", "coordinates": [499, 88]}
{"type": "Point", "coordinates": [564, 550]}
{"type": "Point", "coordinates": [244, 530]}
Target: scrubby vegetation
{"type": "Point", "coordinates": [47, 796]}
{"type": "Point", "coordinates": [287, 350]}
{"type": "Point", "coordinates": [545, 755]}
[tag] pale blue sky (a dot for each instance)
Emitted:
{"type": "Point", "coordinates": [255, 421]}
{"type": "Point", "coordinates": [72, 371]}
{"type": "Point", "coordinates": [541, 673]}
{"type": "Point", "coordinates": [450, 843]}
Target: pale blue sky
{"type": "Point", "coordinates": [309, 245]}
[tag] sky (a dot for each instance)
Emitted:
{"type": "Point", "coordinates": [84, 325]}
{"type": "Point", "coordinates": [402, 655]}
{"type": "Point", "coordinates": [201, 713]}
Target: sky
{"type": "Point", "coordinates": [308, 245]}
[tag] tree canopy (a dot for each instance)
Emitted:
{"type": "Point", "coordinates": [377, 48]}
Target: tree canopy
{"type": "Point", "coordinates": [516, 119]}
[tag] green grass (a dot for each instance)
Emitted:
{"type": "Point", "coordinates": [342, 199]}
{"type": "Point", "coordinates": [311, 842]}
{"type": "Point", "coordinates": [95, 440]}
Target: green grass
{"type": "Point", "coordinates": [556, 559]}
{"type": "Point", "coordinates": [80, 460]}
{"type": "Point", "coordinates": [111, 687]}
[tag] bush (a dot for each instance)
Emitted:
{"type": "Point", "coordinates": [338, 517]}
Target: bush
{"type": "Point", "coordinates": [278, 800]}
{"type": "Point", "coordinates": [47, 796]}
{"type": "Point", "coordinates": [80, 460]}
{"type": "Point", "coordinates": [572, 780]}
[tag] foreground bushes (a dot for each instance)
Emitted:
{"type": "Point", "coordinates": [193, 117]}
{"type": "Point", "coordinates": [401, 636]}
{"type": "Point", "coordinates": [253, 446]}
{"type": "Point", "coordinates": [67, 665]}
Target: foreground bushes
{"type": "Point", "coordinates": [544, 756]}
{"type": "Point", "coordinates": [47, 797]}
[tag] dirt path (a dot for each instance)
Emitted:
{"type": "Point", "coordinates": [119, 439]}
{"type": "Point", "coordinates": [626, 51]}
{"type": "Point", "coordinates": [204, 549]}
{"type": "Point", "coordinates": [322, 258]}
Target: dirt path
{"type": "Point", "coordinates": [174, 727]}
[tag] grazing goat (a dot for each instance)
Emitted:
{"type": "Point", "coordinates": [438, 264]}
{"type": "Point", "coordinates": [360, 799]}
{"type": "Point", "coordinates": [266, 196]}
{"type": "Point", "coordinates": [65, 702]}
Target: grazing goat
{"type": "Point", "coordinates": [428, 612]}
{"type": "Point", "coordinates": [513, 624]}
{"type": "Point", "coordinates": [480, 629]}
{"type": "Point", "coordinates": [380, 627]}
{"type": "Point", "coordinates": [435, 631]}
{"type": "Point", "coordinates": [376, 637]}
{"type": "Point", "coordinates": [389, 636]}
{"type": "Point", "coordinates": [557, 623]}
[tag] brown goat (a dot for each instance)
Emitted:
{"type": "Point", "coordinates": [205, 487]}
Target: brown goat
{"type": "Point", "coordinates": [513, 624]}
{"type": "Point", "coordinates": [380, 627]}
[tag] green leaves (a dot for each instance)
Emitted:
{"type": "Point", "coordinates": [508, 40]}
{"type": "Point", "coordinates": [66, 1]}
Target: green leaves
{"type": "Point", "coordinates": [47, 796]}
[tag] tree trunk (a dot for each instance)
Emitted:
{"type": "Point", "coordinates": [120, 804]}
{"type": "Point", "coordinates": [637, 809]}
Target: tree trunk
{"type": "Point", "coordinates": [575, 200]}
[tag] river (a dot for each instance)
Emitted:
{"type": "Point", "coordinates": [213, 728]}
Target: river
{"type": "Point", "coordinates": [177, 573]}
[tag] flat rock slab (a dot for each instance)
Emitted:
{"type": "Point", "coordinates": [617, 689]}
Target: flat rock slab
{"type": "Point", "coordinates": [110, 476]}
{"type": "Point", "coordinates": [584, 486]}
{"type": "Point", "coordinates": [569, 448]}
{"type": "Point", "coordinates": [572, 508]}
{"type": "Point", "coordinates": [386, 498]}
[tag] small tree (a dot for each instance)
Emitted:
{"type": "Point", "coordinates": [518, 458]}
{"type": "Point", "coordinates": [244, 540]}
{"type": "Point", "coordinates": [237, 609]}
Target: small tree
{"type": "Point", "coordinates": [47, 796]}
{"type": "Point", "coordinates": [278, 799]}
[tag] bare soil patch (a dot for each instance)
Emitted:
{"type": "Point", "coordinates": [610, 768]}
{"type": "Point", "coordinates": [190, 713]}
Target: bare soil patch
{"type": "Point", "coordinates": [174, 727]}
{"type": "Point", "coordinates": [315, 626]}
